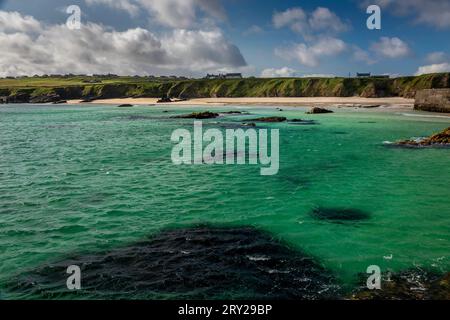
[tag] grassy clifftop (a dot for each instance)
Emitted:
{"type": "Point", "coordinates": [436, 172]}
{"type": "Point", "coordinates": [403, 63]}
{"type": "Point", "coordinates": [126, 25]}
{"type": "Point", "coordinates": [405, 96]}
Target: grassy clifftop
{"type": "Point", "coordinates": [61, 88]}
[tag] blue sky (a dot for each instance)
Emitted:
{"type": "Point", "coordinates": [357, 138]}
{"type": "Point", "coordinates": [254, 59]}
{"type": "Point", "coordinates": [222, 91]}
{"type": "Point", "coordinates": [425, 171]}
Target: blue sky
{"type": "Point", "coordinates": [256, 37]}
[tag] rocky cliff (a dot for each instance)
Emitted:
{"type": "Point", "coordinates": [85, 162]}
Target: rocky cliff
{"type": "Point", "coordinates": [437, 100]}
{"type": "Point", "coordinates": [20, 91]}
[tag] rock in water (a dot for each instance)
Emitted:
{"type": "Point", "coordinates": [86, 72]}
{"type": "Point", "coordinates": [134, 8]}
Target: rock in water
{"type": "Point", "coordinates": [126, 105]}
{"type": "Point", "coordinates": [318, 110]}
{"type": "Point", "coordinates": [269, 119]}
{"type": "Point", "coordinates": [407, 285]}
{"type": "Point", "coordinates": [198, 115]}
{"type": "Point", "coordinates": [440, 139]}
{"type": "Point", "coordinates": [194, 263]}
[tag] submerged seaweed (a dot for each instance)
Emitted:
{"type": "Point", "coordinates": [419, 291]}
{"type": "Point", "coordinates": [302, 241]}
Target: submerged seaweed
{"type": "Point", "coordinates": [197, 263]}
{"type": "Point", "coordinates": [339, 215]}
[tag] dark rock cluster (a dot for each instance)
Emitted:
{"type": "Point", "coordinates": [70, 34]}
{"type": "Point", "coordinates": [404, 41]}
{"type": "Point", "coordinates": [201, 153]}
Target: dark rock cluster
{"type": "Point", "coordinates": [269, 119]}
{"type": "Point", "coordinates": [317, 110]}
{"type": "Point", "coordinates": [198, 115]}
{"type": "Point", "coordinates": [440, 139]}
{"type": "Point", "coordinates": [408, 285]}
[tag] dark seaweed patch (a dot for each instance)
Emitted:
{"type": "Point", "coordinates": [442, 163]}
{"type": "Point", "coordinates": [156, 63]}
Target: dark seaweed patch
{"type": "Point", "coordinates": [339, 215]}
{"type": "Point", "coordinates": [137, 117]}
{"type": "Point", "coordinates": [300, 122]}
{"type": "Point", "coordinates": [197, 263]}
{"type": "Point", "coordinates": [296, 180]}
{"type": "Point", "coordinates": [231, 125]}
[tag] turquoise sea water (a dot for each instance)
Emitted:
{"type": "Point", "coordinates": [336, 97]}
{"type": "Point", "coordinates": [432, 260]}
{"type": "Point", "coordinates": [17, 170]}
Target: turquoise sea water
{"type": "Point", "coordinates": [92, 178]}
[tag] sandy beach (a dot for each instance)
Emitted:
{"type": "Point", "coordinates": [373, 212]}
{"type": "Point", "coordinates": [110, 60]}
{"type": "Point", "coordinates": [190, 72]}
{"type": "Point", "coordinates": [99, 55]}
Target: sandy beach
{"type": "Point", "coordinates": [301, 101]}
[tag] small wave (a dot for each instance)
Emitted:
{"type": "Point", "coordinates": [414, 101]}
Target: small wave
{"type": "Point", "coordinates": [274, 271]}
{"type": "Point", "coordinates": [424, 115]}
{"type": "Point", "coordinates": [258, 258]}
{"type": "Point", "coordinates": [414, 139]}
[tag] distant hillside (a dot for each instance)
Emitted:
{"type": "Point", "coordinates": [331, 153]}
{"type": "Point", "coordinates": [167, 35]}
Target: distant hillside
{"type": "Point", "coordinates": [51, 89]}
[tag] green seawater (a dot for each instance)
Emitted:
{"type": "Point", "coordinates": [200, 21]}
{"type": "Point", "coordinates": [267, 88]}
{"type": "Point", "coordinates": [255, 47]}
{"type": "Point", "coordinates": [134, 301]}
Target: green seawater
{"type": "Point", "coordinates": [77, 179]}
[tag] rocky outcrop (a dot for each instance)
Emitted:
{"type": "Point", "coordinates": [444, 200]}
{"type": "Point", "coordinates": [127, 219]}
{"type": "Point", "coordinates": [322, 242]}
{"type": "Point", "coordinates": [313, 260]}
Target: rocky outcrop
{"type": "Point", "coordinates": [409, 285]}
{"type": "Point", "coordinates": [434, 100]}
{"type": "Point", "coordinates": [126, 105]}
{"type": "Point", "coordinates": [441, 139]}
{"type": "Point", "coordinates": [165, 100]}
{"type": "Point", "coordinates": [60, 102]}
{"type": "Point", "coordinates": [45, 98]}
{"type": "Point", "coordinates": [270, 119]}
{"type": "Point", "coordinates": [198, 115]}
{"type": "Point", "coordinates": [88, 100]}
{"type": "Point", "coordinates": [20, 97]}
{"type": "Point", "coordinates": [317, 110]}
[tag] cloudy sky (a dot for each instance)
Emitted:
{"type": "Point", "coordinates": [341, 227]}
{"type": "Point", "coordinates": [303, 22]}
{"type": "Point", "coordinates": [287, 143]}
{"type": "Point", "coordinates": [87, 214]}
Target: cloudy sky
{"type": "Point", "coordinates": [192, 37]}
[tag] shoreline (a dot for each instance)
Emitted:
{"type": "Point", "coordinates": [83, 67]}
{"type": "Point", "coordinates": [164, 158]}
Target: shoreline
{"type": "Point", "coordinates": [271, 101]}
{"type": "Point", "coordinates": [387, 105]}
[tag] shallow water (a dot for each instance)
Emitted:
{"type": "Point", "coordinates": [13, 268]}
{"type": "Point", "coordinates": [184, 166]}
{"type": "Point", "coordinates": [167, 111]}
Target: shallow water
{"type": "Point", "coordinates": [79, 179]}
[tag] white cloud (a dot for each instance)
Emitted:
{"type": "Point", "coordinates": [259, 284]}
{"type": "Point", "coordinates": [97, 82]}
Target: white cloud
{"type": "Point", "coordinates": [439, 62]}
{"type": "Point", "coordinates": [201, 50]}
{"type": "Point", "coordinates": [284, 72]}
{"type": "Point", "coordinates": [289, 17]}
{"type": "Point", "coordinates": [391, 48]}
{"type": "Point", "coordinates": [14, 21]}
{"type": "Point", "coordinates": [98, 49]}
{"type": "Point", "coordinates": [324, 19]}
{"type": "Point", "coordinates": [434, 68]}
{"type": "Point", "coordinates": [362, 55]}
{"type": "Point", "coordinates": [181, 14]}
{"type": "Point", "coordinates": [430, 12]}
{"type": "Point", "coordinates": [437, 57]}
{"type": "Point", "coordinates": [310, 54]}
{"type": "Point", "coordinates": [253, 30]}
{"type": "Point", "coordinates": [321, 20]}
{"type": "Point", "coordinates": [126, 5]}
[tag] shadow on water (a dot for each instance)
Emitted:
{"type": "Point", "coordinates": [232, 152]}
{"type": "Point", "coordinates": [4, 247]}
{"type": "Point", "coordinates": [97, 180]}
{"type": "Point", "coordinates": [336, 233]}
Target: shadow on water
{"type": "Point", "coordinates": [194, 263]}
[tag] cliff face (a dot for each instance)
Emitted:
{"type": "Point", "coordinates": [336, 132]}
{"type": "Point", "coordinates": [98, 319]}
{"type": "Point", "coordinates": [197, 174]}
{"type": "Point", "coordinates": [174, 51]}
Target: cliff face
{"type": "Point", "coordinates": [250, 87]}
{"type": "Point", "coordinates": [437, 100]}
